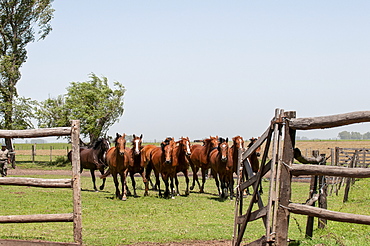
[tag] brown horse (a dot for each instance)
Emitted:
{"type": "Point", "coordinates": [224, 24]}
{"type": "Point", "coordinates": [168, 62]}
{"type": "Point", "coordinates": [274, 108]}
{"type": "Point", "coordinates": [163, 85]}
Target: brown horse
{"type": "Point", "coordinates": [118, 162]}
{"type": "Point", "coordinates": [199, 159]}
{"type": "Point", "coordinates": [135, 163]}
{"type": "Point", "coordinates": [181, 155]}
{"type": "Point", "coordinates": [93, 158]}
{"type": "Point", "coordinates": [145, 161]}
{"type": "Point", "coordinates": [253, 160]}
{"type": "Point", "coordinates": [161, 160]}
{"type": "Point", "coordinates": [238, 143]}
{"type": "Point", "coordinates": [222, 168]}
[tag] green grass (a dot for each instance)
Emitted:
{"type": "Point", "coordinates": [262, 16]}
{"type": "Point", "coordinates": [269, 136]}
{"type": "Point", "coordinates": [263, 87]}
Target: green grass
{"type": "Point", "coordinates": [108, 221]}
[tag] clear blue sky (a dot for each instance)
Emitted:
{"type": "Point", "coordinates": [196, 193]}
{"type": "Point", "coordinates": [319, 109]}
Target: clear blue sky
{"type": "Point", "coordinates": [200, 68]}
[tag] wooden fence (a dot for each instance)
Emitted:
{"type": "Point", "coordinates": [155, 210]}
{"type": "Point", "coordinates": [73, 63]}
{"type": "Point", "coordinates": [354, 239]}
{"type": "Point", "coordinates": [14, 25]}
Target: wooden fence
{"type": "Point", "coordinates": [275, 215]}
{"type": "Point", "coordinates": [74, 183]}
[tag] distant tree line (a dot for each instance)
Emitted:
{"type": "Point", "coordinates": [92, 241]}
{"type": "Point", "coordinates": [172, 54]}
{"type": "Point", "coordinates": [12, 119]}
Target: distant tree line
{"type": "Point", "coordinates": [345, 135]}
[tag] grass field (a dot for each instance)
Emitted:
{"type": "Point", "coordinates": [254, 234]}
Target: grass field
{"type": "Point", "coordinates": [108, 221]}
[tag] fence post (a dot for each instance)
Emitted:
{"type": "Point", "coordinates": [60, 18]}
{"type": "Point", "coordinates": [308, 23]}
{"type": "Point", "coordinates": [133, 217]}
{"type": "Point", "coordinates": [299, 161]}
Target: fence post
{"type": "Point", "coordinates": [285, 182]}
{"type": "Point", "coordinates": [33, 153]}
{"type": "Point", "coordinates": [77, 211]}
{"type": "Point", "coordinates": [322, 195]}
{"type": "Point", "coordinates": [51, 153]}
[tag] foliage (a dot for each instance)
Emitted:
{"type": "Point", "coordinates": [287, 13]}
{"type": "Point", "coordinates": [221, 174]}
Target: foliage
{"type": "Point", "coordinates": [345, 135]}
{"type": "Point", "coordinates": [22, 113]}
{"type": "Point", "coordinates": [17, 21]}
{"type": "Point", "coordinates": [93, 102]}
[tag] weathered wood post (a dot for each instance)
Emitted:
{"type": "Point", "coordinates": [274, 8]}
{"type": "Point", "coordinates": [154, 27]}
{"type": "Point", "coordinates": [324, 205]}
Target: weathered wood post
{"type": "Point", "coordinates": [322, 194]}
{"type": "Point", "coordinates": [76, 181]}
{"type": "Point", "coordinates": [349, 180]}
{"type": "Point", "coordinates": [285, 181]}
{"type": "Point", "coordinates": [51, 153]}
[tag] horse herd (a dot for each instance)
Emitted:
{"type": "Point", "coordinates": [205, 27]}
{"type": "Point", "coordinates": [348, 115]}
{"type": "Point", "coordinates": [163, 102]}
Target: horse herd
{"type": "Point", "coordinates": [166, 160]}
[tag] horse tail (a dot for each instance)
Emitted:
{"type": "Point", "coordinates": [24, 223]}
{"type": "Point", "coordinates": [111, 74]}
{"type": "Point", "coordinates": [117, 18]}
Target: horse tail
{"type": "Point", "coordinates": [105, 174]}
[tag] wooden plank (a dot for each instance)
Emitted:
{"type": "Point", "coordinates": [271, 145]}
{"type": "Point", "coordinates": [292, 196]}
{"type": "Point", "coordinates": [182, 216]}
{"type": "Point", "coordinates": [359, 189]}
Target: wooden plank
{"type": "Point", "coordinates": [259, 242]}
{"type": "Point", "coordinates": [307, 169]}
{"type": "Point", "coordinates": [36, 218]}
{"type": "Point", "coordinates": [257, 144]}
{"type": "Point", "coordinates": [327, 214]}
{"type": "Point", "coordinates": [323, 122]}
{"type": "Point", "coordinates": [34, 133]}
{"type": "Point", "coordinates": [36, 182]}
{"type": "Point", "coordinates": [254, 215]}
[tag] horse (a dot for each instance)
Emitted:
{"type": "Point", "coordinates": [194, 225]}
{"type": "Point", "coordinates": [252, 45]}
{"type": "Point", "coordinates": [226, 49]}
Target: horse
{"type": "Point", "coordinates": [222, 167]}
{"type": "Point", "coordinates": [181, 155]}
{"type": "Point", "coordinates": [118, 162]}
{"type": "Point", "coordinates": [238, 143]}
{"type": "Point", "coordinates": [253, 160]}
{"type": "Point", "coordinates": [92, 158]}
{"type": "Point", "coordinates": [199, 159]}
{"type": "Point", "coordinates": [161, 160]}
{"type": "Point", "coordinates": [136, 164]}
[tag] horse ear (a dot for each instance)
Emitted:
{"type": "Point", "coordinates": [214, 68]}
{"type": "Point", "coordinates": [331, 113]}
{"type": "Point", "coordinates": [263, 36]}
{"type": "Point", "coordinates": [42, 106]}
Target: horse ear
{"type": "Point", "coordinates": [133, 135]}
{"type": "Point", "coordinates": [124, 135]}
{"type": "Point", "coordinates": [141, 136]}
{"type": "Point", "coordinates": [117, 135]}
{"type": "Point", "coordinates": [227, 140]}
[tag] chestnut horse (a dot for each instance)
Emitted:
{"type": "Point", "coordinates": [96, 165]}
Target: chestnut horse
{"type": "Point", "coordinates": [199, 159]}
{"type": "Point", "coordinates": [222, 167]}
{"type": "Point", "coordinates": [238, 143]}
{"type": "Point", "coordinates": [135, 163]}
{"type": "Point", "coordinates": [181, 155]}
{"type": "Point", "coordinates": [161, 160]}
{"type": "Point", "coordinates": [118, 162]}
{"type": "Point", "coordinates": [93, 158]}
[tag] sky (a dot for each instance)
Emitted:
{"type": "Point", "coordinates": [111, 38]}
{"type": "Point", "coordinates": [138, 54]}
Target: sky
{"type": "Point", "coordinates": [204, 68]}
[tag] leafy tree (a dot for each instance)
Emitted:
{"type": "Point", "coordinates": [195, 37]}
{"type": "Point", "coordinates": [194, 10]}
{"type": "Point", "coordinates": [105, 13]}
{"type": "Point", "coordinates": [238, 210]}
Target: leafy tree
{"type": "Point", "coordinates": [356, 135]}
{"type": "Point", "coordinates": [366, 135]}
{"type": "Point", "coordinates": [22, 113]}
{"type": "Point", "coordinates": [18, 19]}
{"type": "Point", "coordinates": [344, 135]}
{"type": "Point", "coordinates": [93, 102]}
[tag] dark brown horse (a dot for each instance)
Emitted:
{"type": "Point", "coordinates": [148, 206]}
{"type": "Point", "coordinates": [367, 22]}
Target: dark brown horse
{"type": "Point", "coordinates": [253, 160]}
{"type": "Point", "coordinates": [222, 167]}
{"type": "Point", "coordinates": [181, 155]}
{"type": "Point", "coordinates": [199, 159]}
{"type": "Point", "coordinates": [118, 162]}
{"type": "Point", "coordinates": [161, 160]}
{"type": "Point", "coordinates": [93, 158]}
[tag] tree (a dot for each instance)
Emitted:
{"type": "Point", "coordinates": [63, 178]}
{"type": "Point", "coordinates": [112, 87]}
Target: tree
{"type": "Point", "coordinates": [344, 135]}
{"type": "Point", "coordinates": [93, 102]}
{"type": "Point", "coordinates": [356, 135]}
{"type": "Point", "coordinates": [366, 135]}
{"type": "Point", "coordinates": [17, 28]}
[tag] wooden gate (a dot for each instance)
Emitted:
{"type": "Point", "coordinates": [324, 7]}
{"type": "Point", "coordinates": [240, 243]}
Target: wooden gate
{"type": "Point", "coordinates": [74, 183]}
{"type": "Point", "coordinates": [281, 135]}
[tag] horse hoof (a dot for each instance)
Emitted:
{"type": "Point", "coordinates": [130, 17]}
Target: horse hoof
{"type": "Point", "coordinates": [124, 198]}
{"type": "Point", "coordinates": [96, 191]}
{"type": "Point", "coordinates": [101, 187]}
{"type": "Point", "coordinates": [191, 187]}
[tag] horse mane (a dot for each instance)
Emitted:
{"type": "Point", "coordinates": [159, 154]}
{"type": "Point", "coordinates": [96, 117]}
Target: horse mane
{"type": "Point", "coordinates": [97, 143]}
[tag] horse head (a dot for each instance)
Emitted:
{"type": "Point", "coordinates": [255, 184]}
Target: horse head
{"type": "Point", "coordinates": [136, 144]}
{"type": "Point", "coordinates": [120, 143]}
{"type": "Point", "coordinates": [185, 144]}
{"type": "Point", "coordinates": [252, 141]}
{"type": "Point", "coordinates": [238, 142]}
{"type": "Point", "coordinates": [223, 148]}
{"type": "Point", "coordinates": [167, 147]}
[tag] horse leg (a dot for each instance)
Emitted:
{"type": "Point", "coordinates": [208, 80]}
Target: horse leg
{"type": "Point", "coordinates": [195, 177]}
{"type": "Point", "coordinates": [145, 182]}
{"type": "Point", "coordinates": [165, 180]}
{"type": "Point", "coordinates": [186, 174]}
{"type": "Point", "coordinates": [215, 176]}
{"type": "Point", "coordinates": [115, 180]}
{"type": "Point", "coordinates": [124, 185]}
{"type": "Point", "coordinates": [177, 185]}
{"type": "Point", "coordinates": [92, 172]}
{"type": "Point", "coordinates": [104, 179]}
{"type": "Point", "coordinates": [172, 187]}
{"type": "Point", "coordinates": [132, 176]}
{"type": "Point", "coordinates": [157, 183]}
{"type": "Point", "coordinates": [201, 190]}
